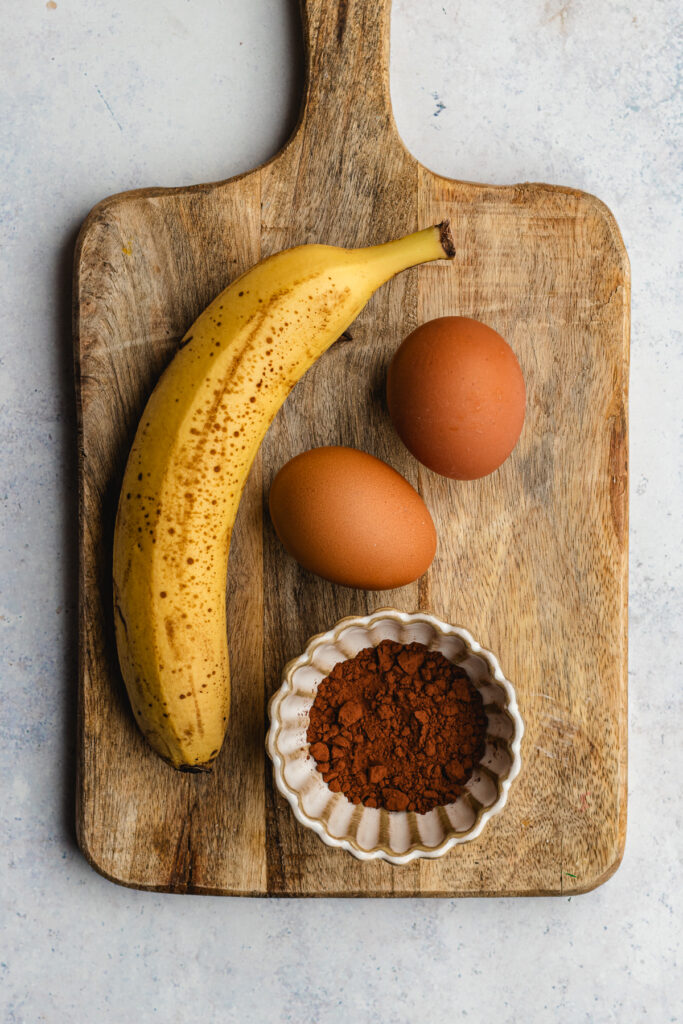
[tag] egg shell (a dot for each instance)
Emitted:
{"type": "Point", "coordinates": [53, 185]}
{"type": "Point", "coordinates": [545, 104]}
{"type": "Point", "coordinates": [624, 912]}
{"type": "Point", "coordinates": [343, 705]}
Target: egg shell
{"type": "Point", "coordinates": [456, 396]}
{"type": "Point", "coordinates": [352, 519]}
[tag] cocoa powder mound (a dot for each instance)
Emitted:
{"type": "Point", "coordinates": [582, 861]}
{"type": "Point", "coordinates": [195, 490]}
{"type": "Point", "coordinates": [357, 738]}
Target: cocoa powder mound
{"type": "Point", "coordinates": [398, 726]}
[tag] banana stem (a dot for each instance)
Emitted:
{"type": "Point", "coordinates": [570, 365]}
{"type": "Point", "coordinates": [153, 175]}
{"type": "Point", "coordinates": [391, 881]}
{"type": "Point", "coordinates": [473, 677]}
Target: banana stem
{"type": "Point", "coordinates": [434, 243]}
{"type": "Point", "coordinates": [446, 238]}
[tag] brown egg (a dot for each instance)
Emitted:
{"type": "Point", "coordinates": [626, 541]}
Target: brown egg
{"type": "Point", "coordinates": [350, 518]}
{"type": "Point", "coordinates": [456, 396]}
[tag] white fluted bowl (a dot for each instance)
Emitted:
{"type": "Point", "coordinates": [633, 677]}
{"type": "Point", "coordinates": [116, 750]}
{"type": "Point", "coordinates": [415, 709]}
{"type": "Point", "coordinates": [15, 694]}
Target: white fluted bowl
{"type": "Point", "coordinates": [374, 833]}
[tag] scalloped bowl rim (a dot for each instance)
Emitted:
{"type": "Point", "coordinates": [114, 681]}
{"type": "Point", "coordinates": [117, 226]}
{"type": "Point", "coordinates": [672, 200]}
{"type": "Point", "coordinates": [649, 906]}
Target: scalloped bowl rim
{"type": "Point", "coordinates": [383, 852]}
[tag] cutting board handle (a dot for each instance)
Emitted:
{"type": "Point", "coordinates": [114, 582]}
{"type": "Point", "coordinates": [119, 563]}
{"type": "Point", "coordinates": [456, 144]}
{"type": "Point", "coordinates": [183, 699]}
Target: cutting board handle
{"type": "Point", "coordinates": [347, 67]}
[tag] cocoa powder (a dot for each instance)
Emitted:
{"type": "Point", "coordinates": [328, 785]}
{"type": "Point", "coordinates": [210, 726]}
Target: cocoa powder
{"type": "Point", "coordinates": [398, 726]}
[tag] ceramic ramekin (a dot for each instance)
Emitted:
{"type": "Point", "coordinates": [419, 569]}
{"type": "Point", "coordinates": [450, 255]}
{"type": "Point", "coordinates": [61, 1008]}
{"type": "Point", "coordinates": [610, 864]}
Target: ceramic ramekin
{"type": "Point", "coordinates": [371, 833]}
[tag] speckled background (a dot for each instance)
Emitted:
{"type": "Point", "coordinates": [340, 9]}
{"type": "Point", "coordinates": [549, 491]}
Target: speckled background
{"type": "Point", "coordinates": [103, 96]}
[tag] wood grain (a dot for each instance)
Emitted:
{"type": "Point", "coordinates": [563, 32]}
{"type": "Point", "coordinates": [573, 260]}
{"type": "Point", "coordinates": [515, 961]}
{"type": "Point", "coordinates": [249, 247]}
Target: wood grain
{"type": "Point", "coordinates": [533, 560]}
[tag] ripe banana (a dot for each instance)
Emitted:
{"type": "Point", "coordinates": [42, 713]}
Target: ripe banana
{"type": "Point", "coordinates": [195, 443]}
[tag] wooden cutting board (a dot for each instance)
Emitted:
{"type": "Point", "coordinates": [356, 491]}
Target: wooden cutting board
{"type": "Point", "coordinates": [533, 559]}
